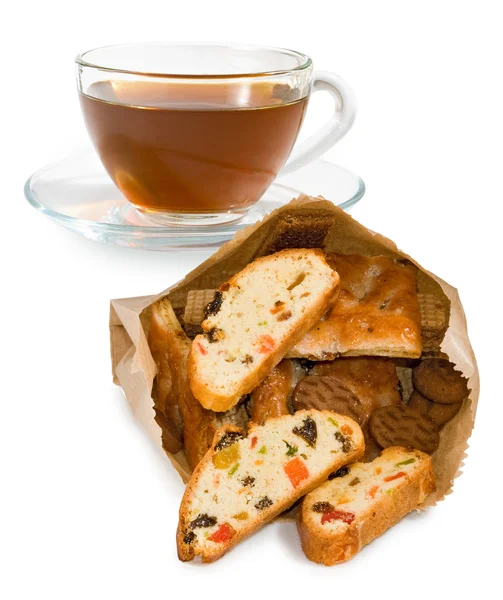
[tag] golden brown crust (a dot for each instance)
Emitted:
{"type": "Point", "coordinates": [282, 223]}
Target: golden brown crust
{"type": "Point", "coordinates": [199, 429]}
{"type": "Point", "coordinates": [166, 390]}
{"type": "Point", "coordinates": [186, 552]}
{"type": "Point", "coordinates": [270, 398]}
{"type": "Point", "coordinates": [330, 548]}
{"type": "Point", "coordinates": [171, 346]}
{"type": "Point", "coordinates": [376, 313]}
{"type": "Point", "coordinates": [220, 402]}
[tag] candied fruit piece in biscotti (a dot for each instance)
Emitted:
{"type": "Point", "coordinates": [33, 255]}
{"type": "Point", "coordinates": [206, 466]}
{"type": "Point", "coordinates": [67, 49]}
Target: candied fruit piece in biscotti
{"type": "Point", "coordinates": [244, 481]}
{"type": "Point", "coordinates": [253, 321]}
{"type": "Point", "coordinates": [344, 514]}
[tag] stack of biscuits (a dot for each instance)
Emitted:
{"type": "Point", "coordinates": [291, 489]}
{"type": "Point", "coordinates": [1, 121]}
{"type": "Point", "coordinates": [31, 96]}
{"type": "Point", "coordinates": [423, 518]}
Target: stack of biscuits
{"type": "Point", "coordinates": [298, 331]}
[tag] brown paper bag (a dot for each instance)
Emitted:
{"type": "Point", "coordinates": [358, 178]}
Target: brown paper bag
{"type": "Point", "coordinates": [134, 368]}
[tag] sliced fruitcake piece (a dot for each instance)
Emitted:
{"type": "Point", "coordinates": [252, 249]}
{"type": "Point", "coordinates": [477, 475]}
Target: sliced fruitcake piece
{"type": "Point", "coordinates": [244, 481]}
{"type": "Point", "coordinates": [348, 512]}
{"type": "Point", "coordinates": [253, 321]}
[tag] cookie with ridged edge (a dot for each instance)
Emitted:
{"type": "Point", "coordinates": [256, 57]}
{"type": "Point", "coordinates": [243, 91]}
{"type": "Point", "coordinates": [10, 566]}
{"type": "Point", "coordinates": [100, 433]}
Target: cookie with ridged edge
{"type": "Point", "coordinates": [439, 413]}
{"type": "Point", "coordinates": [328, 393]}
{"type": "Point", "coordinates": [404, 426]}
{"type": "Point", "coordinates": [438, 380]}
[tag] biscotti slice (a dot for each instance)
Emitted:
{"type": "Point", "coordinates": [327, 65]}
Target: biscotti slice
{"type": "Point", "coordinates": [244, 481]}
{"type": "Point", "coordinates": [348, 512]}
{"type": "Point", "coordinates": [253, 321]}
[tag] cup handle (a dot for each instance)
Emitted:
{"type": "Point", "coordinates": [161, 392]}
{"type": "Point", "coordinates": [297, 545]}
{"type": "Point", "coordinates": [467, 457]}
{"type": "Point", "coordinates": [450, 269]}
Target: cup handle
{"type": "Point", "coordinates": [321, 141]}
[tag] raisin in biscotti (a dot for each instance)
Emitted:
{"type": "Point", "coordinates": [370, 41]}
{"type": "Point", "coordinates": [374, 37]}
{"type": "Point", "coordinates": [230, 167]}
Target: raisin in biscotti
{"type": "Point", "coordinates": [253, 321]}
{"type": "Point", "coordinates": [348, 512]}
{"type": "Point", "coordinates": [244, 482]}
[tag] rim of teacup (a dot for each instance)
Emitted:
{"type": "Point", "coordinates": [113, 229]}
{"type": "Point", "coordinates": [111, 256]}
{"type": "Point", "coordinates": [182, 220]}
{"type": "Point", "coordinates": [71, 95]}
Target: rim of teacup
{"type": "Point", "coordinates": [84, 60]}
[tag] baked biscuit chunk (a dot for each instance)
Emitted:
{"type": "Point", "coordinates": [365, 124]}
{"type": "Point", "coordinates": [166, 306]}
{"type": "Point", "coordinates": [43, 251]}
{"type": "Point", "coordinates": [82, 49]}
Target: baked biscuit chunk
{"type": "Point", "coordinates": [376, 312]}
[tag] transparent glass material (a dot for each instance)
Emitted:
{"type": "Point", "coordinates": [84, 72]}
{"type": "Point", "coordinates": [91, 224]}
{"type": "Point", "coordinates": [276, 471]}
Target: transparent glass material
{"type": "Point", "coordinates": [193, 133]}
{"type": "Point", "coordinates": [201, 61]}
{"type": "Point", "coordinates": [78, 194]}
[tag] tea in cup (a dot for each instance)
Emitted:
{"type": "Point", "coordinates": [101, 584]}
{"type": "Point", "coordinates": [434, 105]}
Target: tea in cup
{"type": "Point", "coordinates": [195, 134]}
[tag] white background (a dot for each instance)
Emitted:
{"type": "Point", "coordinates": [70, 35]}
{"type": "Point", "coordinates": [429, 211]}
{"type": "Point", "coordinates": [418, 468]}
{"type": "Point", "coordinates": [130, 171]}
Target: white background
{"type": "Point", "coordinates": [88, 505]}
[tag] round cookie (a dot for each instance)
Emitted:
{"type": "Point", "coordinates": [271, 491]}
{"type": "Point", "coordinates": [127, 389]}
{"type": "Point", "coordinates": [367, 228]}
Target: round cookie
{"type": "Point", "coordinates": [404, 426]}
{"type": "Point", "coordinates": [439, 413]}
{"type": "Point", "coordinates": [438, 381]}
{"type": "Point", "coordinates": [328, 393]}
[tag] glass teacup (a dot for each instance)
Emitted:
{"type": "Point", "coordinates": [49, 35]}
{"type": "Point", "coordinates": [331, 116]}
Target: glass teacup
{"type": "Point", "coordinates": [197, 133]}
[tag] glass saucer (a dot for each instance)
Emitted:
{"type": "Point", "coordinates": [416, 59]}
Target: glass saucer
{"type": "Point", "coordinates": [78, 193]}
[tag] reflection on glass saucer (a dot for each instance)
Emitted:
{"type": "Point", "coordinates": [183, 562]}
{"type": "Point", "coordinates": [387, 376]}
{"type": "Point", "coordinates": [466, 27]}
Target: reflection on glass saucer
{"type": "Point", "coordinates": [78, 194]}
